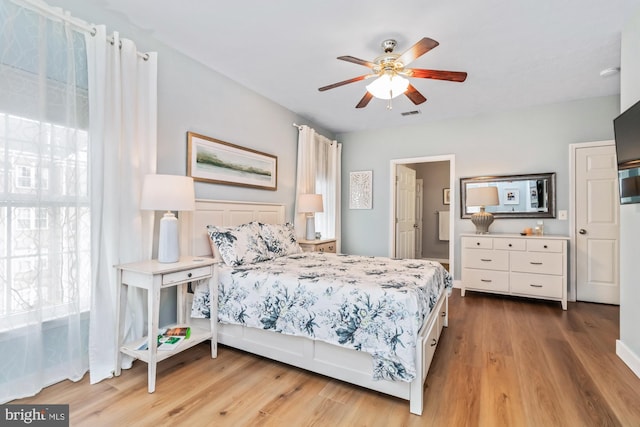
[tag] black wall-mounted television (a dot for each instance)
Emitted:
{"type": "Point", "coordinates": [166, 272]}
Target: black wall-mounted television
{"type": "Point", "coordinates": [627, 134]}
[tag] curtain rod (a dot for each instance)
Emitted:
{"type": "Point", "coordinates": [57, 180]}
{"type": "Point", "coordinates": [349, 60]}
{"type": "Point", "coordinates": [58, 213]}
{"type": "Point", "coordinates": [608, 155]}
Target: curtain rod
{"type": "Point", "coordinates": [65, 16]}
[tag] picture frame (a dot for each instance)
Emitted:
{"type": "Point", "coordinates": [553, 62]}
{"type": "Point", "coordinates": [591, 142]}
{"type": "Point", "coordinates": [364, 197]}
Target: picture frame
{"type": "Point", "coordinates": [215, 161]}
{"type": "Point", "coordinates": [360, 189]}
{"type": "Point", "coordinates": [511, 196]}
{"type": "Point", "coordinates": [446, 196]}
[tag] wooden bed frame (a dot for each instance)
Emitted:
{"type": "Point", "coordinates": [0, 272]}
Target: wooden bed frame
{"type": "Point", "coordinates": [333, 361]}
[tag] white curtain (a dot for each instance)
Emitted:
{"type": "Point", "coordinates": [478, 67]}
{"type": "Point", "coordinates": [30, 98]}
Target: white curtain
{"type": "Point", "coordinates": [318, 172]}
{"type": "Point", "coordinates": [123, 107]}
{"type": "Point", "coordinates": [44, 202]}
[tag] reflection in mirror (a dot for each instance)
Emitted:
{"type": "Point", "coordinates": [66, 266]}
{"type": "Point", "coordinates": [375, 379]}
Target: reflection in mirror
{"type": "Point", "coordinates": [520, 196]}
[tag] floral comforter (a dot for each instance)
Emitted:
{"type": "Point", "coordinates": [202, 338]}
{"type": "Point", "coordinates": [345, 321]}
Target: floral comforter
{"type": "Point", "coordinates": [372, 304]}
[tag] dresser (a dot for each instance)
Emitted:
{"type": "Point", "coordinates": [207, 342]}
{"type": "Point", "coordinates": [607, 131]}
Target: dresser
{"type": "Point", "coordinates": [326, 245]}
{"type": "Point", "coordinates": [510, 264]}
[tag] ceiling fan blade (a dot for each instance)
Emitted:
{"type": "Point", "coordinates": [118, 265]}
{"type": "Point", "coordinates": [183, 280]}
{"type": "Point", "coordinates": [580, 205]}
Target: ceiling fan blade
{"type": "Point", "coordinates": [358, 61]}
{"type": "Point", "coordinates": [365, 100]}
{"type": "Point", "coordinates": [417, 50]}
{"type": "Point", "coordinates": [454, 76]}
{"type": "Point", "coordinates": [415, 96]}
{"type": "Point", "coordinates": [345, 82]}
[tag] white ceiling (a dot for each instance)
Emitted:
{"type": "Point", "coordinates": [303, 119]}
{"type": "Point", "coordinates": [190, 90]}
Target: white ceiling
{"type": "Point", "coordinates": [517, 52]}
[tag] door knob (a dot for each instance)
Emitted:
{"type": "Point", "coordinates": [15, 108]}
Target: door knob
{"type": "Point", "coordinates": [582, 231]}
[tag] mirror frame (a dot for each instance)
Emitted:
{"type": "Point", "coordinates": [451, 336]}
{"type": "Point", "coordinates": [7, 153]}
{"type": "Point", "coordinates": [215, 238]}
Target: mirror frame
{"type": "Point", "coordinates": [551, 176]}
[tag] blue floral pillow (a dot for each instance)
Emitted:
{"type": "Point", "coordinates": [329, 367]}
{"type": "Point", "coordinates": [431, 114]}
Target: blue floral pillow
{"type": "Point", "coordinates": [280, 239]}
{"type": "Point", "coordinates": [238, 245]}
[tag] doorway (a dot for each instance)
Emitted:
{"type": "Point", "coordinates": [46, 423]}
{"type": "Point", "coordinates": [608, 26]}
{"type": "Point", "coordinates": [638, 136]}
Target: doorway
{"type": "Point", "coordinates": [433, 213]}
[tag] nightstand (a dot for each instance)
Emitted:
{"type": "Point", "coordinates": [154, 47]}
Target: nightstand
{"type": "Point", "coordinates": [154, 276]}
{"type": "Point", "coordinates": [326, 245]}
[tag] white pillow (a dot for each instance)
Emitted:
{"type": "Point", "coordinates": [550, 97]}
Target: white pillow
{"type": "Point", "coordinates": [238, 245]}
{"type": "Point", "coordinates": [280, 239]}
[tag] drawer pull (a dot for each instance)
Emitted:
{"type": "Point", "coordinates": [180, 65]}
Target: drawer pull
{"type": "Point", "coordinates": [189, 275]}
{"type": "Point", "coordinates": [485, 259]}
{"type": "Point", "coordinates": [321, 249]}
{"type": "Point", "coordinates": [545, 246]}
{"type": "Point", "coordinates": [510, 245]}
{"type": "Point", "coordinates": [485, 280]}
{"type": "Point", "coordinates": [535, 263]}
{"type": "Point", "coordinates": [535, 286]}
{"type": "Point", "coordinates": [444, 314]}
{"type": "Point", "coordinates": [433, 342]}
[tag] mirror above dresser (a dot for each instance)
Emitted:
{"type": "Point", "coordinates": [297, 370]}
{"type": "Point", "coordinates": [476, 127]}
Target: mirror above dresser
{"type": "Point", "coordinates": [520, 196]}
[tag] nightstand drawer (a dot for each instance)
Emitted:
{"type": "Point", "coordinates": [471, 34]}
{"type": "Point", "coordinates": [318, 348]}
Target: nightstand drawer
{"type": "Point", "coordinates": [326, 247]}
{"type": "Point", "coordinates": [186, 275]}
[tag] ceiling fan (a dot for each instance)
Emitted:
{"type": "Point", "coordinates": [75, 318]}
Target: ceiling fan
{"type": "Point", "coordinates": [391, 72]}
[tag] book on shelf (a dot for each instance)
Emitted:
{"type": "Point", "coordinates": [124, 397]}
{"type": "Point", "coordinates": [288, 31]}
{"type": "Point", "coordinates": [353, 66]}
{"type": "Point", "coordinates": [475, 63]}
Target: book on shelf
{"type": "Point", "coordinates": [177, 331]}
{"type": "Point", "coordinates": [169, 338]}
{"type": "Point", "coordinates": [169, 343]}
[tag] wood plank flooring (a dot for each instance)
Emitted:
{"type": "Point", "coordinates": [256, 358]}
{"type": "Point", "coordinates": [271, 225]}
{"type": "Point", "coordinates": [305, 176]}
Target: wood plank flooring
{"type": "Point", "coordinates": [501, 362]}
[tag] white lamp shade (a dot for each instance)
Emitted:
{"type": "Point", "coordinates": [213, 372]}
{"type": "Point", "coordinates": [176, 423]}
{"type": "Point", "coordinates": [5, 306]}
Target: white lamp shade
{"type": "Point", "coordinates": [309, 203]}
{"type": "Point", "coordinates": [168, 193]}
{"type": "Point", "coordinates": [388, 86]}
{"type": "Point", "coordinates": [482, 196]}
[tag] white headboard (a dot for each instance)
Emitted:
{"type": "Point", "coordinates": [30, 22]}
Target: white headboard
{"type": "Point", "coordinates": [193, 225]}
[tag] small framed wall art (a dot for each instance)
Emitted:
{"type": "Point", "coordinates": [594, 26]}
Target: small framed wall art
{"type": "Point", "coordinates": [215, 161]}
{"type": "Point", "coordinates": [360, 189]}
{"type": "Point", "coordinates": [446, 196]}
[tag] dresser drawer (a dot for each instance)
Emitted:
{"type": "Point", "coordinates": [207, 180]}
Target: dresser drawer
{"type": "Point", "coordinates": [486, 259]}
{"type": "Point", "coordinates": [542, 245]}
{"type": "Point", "coordinates": [537, 262]}
{"type": "Point", "coordinates": [186, 276]}
{"type": "Point", "coordinates": [510, 244]}
{"type": "Point", "coordinates": [487, 280]}
{"type": "Point", "coordinates": [536, 285]}
{"type": "Point", "coordinates": [477, 242]}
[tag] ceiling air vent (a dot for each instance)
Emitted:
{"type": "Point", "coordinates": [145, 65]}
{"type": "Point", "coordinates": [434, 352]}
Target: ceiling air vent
{"type": "Point", "coordinates": [410, 113]}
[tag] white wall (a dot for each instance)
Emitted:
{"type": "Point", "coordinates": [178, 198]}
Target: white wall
{"type": "Point", "coordinates": [531, 140]}
{"type": "Point", "coordinates": [628, 347]}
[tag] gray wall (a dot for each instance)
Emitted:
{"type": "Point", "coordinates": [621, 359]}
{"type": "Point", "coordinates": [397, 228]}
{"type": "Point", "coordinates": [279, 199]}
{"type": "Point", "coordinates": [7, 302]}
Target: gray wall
{"type": "Point", "coordinates": [435, 176]}
{"type": "Point", "coordinates": [630, 214]}
{"type": "Point", "coordinates": [524, 141]}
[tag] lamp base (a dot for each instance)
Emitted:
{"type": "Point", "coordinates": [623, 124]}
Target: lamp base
{"type": "Point", "coordinates": [311, 228]}
{"type": "Point", "coordinates": [482, 220]}
{"type": "Point", "coordinates": [168, 246]}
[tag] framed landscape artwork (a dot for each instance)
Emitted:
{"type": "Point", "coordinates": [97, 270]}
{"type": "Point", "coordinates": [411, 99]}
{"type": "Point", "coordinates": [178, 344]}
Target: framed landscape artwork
{"type": "Point", "coordinates": [212, 160]}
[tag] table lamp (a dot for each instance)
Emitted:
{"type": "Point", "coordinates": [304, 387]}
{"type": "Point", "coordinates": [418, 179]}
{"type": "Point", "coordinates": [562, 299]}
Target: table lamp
{"type": "Point", "coordinates": [168, 193]}
{"type": "Point", "coordinates": [309, 204]}
{"type": "Point", "coordinates": [482, 196]}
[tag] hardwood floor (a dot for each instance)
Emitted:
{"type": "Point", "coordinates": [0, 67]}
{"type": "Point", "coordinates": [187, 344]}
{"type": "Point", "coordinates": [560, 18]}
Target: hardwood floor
{"type": "Point", "coordinates": [501, 362]}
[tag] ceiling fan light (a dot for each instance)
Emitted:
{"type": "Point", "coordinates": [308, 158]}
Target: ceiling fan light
{"type": "Point", "coordinates": [388, 86]}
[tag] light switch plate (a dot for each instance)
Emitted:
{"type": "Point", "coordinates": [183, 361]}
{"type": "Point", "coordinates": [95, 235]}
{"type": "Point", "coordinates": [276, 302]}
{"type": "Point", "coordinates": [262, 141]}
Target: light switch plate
{"type": "Point", "coordinates": [562, 215]}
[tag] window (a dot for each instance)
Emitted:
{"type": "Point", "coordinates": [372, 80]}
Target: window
{"type": "Point", "coordinates": [44, 187]}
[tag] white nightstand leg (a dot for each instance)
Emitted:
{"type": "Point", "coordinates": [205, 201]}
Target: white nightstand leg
{"type": "Point", "coordinates": [213, 317]}
{"type": "Point", "coordinates": [121, 300]}
{"type": "Point", "coordinates": [154, 310]}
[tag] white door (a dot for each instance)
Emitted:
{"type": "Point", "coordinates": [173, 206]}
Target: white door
{"type": "Point", "coordinates": [597, 225]}
{"type": "Point", "coordinates": [419, 200]}
{"type": "Point", "coordinates": [405, 212]}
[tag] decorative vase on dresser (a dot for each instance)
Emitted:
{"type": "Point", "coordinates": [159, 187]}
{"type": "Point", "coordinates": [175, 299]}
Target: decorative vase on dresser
{"type": "Point", "coordinates": [511, 264]}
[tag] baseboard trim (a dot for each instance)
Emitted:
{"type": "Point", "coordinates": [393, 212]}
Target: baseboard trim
{"type": "Point", "coordinates": [628, 357]}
